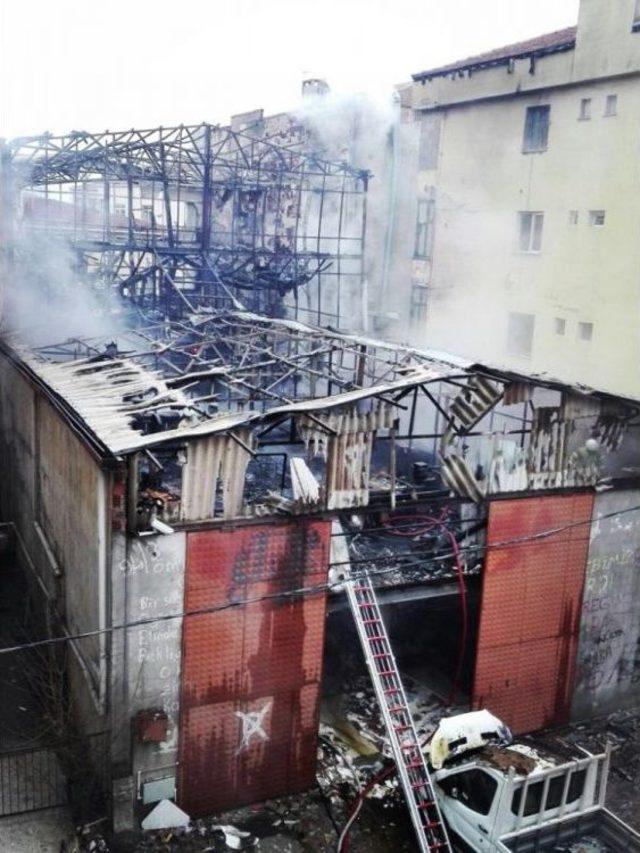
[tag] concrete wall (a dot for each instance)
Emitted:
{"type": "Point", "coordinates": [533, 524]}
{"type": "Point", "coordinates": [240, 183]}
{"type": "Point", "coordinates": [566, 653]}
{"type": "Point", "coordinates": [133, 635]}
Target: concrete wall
{"type": "Point", "coordinates": [17, 448]}
{"type": "Point", "coordinates": [70, 509]}
{"type": "Point", "coordinates": [58, 498]}
{"type": "Point", "coordinates": [605, 46]}
{"type": "Point", "coordinates": [148, 583]}
{"type": "Point", "coordinates": [608, 665]}
{"type": "Point", "coordinates": [47, 476]}
{"type": "Point", "coordinates": [583, 273]}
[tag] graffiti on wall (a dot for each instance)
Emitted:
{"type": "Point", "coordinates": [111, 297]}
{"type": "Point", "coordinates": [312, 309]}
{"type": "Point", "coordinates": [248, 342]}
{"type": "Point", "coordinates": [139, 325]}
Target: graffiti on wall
{"type": "Point", "coordinates": [609, 652]}
{"type": "Point", "coordinates": [253, 723]}
{"type": "Point", "coordinates": [154, 568]}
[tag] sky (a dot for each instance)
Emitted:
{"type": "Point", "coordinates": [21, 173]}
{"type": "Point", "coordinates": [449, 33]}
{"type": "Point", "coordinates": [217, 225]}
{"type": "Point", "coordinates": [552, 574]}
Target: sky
{"type": "Point", "coordinates": [114, 64]}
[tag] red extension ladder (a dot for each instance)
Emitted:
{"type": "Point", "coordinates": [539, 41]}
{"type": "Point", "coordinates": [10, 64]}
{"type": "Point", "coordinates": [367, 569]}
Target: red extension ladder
{"type": "Point", "coordinates": [405, 746]}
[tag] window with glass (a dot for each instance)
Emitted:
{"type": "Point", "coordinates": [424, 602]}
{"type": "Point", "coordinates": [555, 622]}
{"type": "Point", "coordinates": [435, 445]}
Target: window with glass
{"type": "Point", "coordinates": [474, 788]}
{"type": "Point", "coordinates": [520, 330]}
{"type": "Point", "coordinates": [531, 223]}
{"type": "Point", "coordinates": [536, 129]}
{"type": "Point", "coordinates": [585, 331]}
{"type": "Point", "coordinates": [424, 228]}
{"type": "Point", "coordinates": [585, 109]}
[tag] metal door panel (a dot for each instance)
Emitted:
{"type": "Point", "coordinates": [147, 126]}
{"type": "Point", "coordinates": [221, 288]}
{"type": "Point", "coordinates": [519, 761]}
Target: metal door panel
{"type": "Point", "coordinates": [530, 612]}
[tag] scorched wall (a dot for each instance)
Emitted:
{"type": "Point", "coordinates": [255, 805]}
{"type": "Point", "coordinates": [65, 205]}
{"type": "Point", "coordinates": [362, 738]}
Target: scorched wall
{"type": "Point", "coordinates": [251, 665]}
{"type": "Point", "coordinates": [55, 493]}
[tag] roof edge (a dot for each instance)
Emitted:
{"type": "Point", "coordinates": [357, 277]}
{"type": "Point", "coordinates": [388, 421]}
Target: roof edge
{"type": "Point", "coordinates": [542, 45]}
{"type": "Point", "coordinates": [96, 448]}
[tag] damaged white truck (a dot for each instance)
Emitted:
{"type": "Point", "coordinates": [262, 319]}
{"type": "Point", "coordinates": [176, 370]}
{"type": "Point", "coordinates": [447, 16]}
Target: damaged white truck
{"type": "Point", "coordinates": [495, 795]}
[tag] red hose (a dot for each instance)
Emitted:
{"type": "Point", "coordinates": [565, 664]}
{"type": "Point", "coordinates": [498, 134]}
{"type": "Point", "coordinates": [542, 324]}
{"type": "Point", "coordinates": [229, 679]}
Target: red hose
{"type": "Point", "coordinates": [464, 618]}
{"type": "Point", "coordinates": [379, 777]}
{"type": "Point", "coordinates": [429, 523]}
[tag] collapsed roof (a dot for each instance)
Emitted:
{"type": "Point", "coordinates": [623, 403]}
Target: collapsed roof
{"type": "Point", "coordinates": [215, 371]}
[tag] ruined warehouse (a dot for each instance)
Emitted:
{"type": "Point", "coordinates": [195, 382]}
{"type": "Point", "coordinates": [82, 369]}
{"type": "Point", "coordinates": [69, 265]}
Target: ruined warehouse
{"type": "Point", "coordinates": [192, 483]}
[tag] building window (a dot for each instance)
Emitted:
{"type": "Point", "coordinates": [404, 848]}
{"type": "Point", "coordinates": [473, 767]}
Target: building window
{"type": "Point", "coordinates": [418, 308]}
{"type": "Point", "coordinates": [611, 105]}
{"type": "Point", "coordinates": [585, 331]}
{"type": "Point", "coordinates": [596, 217]}
{"type": "Point", "coordinates": [424, 228]}
{"type": "Point", "coordinates": [536, 129]}
{"type": "Point", "coordinates": [520, 334]}
{"type": "Point", "coordinates": [636, 18]}
{"type": "Point", "coordinates": [585, 109]}
{"type": "Point", "coordinates": [573, 217]}
{"type": "Point", "coordinates": [531, 231]}
{"type": "Point", "coordinates": [560, 325]}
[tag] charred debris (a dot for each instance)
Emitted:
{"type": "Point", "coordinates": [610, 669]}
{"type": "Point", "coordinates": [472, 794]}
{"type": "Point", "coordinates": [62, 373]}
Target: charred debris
{"type": "Point", "coordinates": [225, 386]}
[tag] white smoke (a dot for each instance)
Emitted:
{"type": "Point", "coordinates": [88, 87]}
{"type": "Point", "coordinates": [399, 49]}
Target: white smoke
{"type": "Point", "coordinates": [367, 132]}
{"type": "Point", "coordinates": [50, 298]}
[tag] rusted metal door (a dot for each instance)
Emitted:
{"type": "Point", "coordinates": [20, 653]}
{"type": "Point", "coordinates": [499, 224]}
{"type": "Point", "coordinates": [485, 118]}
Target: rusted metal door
{"type": "Point", "coordinates": [251, 670]}
{"type": "Point", "coordinates": [530, 612]}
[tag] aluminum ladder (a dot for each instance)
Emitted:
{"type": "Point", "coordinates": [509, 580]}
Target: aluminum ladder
{"type": "Point", "coordinates": [405, 746]}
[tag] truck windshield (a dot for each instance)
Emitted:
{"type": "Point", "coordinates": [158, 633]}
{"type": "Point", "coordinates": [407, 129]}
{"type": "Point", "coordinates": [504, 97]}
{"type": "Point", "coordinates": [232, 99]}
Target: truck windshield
{"type": "Point", "coordinates": [475, 789]}
{"type": "Point", "coordinates": [554, 794]}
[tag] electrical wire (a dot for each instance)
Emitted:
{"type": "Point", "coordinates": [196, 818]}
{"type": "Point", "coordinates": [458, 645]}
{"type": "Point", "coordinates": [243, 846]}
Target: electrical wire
{"type": "Point", "coordinates": [315, 589]}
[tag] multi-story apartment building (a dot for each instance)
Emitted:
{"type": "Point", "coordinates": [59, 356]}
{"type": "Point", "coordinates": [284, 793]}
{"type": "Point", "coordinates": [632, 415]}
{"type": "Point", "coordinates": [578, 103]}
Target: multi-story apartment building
{"type": "Point", "coordinates": [527, 238]}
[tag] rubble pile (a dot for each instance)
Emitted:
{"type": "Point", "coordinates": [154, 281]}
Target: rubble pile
{"type": "Point", "coordinates": [394, 561]}
{"type": "Point", "coordinates": [294, 824]}
{"type": "Point", "coordinates": [352, 751]}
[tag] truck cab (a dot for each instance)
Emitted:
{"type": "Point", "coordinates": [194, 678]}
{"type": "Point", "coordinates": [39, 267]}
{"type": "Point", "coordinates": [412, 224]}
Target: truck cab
{"type": "Point", "coordinates": [504, 797]}
{"type": "Point", "coordinates": [501, 790]}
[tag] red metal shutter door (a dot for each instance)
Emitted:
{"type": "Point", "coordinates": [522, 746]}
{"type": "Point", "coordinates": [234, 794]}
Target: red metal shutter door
{"type": "Point", "coordinates": [251, 671]}
{"type": "Point", "coordinates": [530, 612]}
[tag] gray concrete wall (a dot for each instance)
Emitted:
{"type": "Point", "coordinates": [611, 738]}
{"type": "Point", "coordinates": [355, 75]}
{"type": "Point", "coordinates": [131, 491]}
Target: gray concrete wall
{"type": "Point", "coordinates": [56, 495]}
{"type": "Point", "coordinates": [148, 583]}
{"type": "Point", "coordinates": [608, 671]}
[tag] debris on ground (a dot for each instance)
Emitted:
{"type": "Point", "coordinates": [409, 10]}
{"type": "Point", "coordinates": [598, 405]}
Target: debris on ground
{"type": "Point", "coordinates": [352, 750]}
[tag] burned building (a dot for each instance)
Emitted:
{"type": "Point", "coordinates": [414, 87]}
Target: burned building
{"type": "Point", "coordinates": [191, 488]}
{"type": "Point", "coordinates": [187, 218]}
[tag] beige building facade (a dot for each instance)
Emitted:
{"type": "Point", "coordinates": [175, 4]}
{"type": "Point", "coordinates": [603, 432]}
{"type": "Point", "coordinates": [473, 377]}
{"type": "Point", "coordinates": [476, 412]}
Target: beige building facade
{"type": "Point", "coordinates": [527, 228]}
